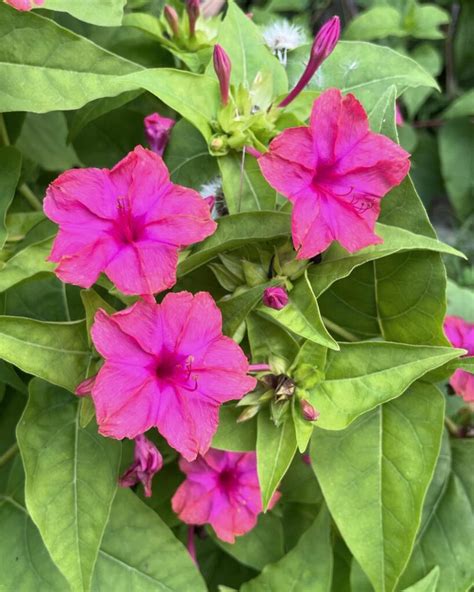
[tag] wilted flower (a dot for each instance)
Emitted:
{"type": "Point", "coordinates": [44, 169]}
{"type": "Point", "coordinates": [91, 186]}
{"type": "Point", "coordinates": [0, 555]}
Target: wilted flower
{"type": "Point", "coordinates": [128, 222]}
{"type": "Point", "coordinates": [282, 37]}
{"type": "Point", "coordinates": [461, 334]}
{"type": "Point", "coordinates": [221, 489]}
{"type": "Point", "coordinates": [335, 172]}
{"type": "Point", "coordinates": [24, 4]}
{"type": "Point", "coordinates": [275, 297]}
{"type": "Point", "coordinates": [212, 192]}
{"type": "Point", "coordinates": [323, 46]}
{"type": "Point", "coordinates": [157, 131]}
{"type": "Point", "coordinates": [148, 461]}
{"type": "Point", "coordinates": [167, 365]}
{"type": "Point", "coordinates": [222, 67]}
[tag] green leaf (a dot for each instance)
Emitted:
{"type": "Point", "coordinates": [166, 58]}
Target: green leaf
{"type": "Point", "coordinates": [26, 564]}
{"type": "Point", "coordinates": [269, 341]}
{"type": "Point", "coordinates": [376, 23]}
{"type": "Point", "coordinates": [430, 59]}
{"type": "Point", "coordinates": [230, 435]}
{"type": "Point", "coordinates": [262, 545]}
{"type": "Point", "coordinates": [460, 301]}
{"type": "Point", "coordinates": [374, 476]}
{"type": "Point", "coordinates": [71, 480]}
{"type": "Point", "coordinates": [301, 315]}
{"type": "Point", "coordinates": [245, 188]}
{"type": "Point", "coordinates": [427, 584]}
{"type": "Point", "coordinates": [56, 352]}
{"type": "Point", "coordinates": [363, 375]}
{"type": "Point", "coordinates": [26, 264]}
{"type": "Point", "coordinates": [306, 568]}
{"type": "Point", "coordinates": [276, 448]}
{"type": "Point", "coordinates": [456, 145]}
{"type": "Point", "coordinates": [443, 542]}
{"type": "Point", "coordinates": [337, 263]}
{"type": "Point", "coordinates": [354, 67]}
{"type": "Point", "coordinates": [423, 21]}
{"type": "Point", "coordinates": [106, 13]}
{"type": "Point", "coordinates": [237, 307]}
{"type": "Point", "coordinates": [243, 42]}
{"type": "Point", "coordinates": [92, 302]}
{"type": "Point", "coordinates": [10, 168]}
{"type": "Point", "coordinates": [461, 107]}
{"type": "Point", "coordinates": [43, 139]}
{"type": "Point", "coordinates": [140, 553]}
{"type": "Point", "coordinates": [237, 231]}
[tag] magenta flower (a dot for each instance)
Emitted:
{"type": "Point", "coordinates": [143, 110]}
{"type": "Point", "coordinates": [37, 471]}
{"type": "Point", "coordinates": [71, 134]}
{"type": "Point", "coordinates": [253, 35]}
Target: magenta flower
{"type": "Point", "coordinates": [148, 461]}
{"type": "Point", "coordinates": [157, 132]}
{"type": "Point", "coordinates": [221, 489]}
{"type": "Point", "coordinates": [461, 334]}
{"type": "Point", "coordinates": [128, 222]}
{"type": "Point", "coordinates": [24, 4]}
{"type": "Point", "coordinates": [335, 172]}
{"type": "Point", "coordinates": [167, 365]}
{"type": "Point", "coordinates": [275, 297]}
{"type": "Point", "coordinates": [323, 45]}
{"type": "Point", "coordinates": [222, 68]}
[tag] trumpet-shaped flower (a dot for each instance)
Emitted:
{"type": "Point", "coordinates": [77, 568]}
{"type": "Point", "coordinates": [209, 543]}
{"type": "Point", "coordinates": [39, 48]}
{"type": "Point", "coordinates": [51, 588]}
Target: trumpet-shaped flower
{"type": "Point", "coordinates": [461, 334]}
{"type": "Point", "coordinates": [166, 365]}
{"type": "Point", "coordinates": [128, 222]}
{"type": "Point", "coordinates": [335, 172]}
{"type": "Point", "coordinates": [221, 489]}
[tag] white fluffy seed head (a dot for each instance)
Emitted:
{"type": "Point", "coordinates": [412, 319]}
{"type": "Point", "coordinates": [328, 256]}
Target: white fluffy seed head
{"type": "Point", "coordinates": [283, 36]}
{"type": "Point", "coordinates": [211, 189]}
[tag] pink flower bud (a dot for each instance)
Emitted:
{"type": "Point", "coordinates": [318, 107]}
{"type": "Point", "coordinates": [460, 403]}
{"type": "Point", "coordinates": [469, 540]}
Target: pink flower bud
{"type": "Point", "coordinates": [323, 46]}
{"type": "Point", "coordinates": [398, 116]}
{"type": "Point", "coordinates": [172, 18]}
{"type": "Point", "coordinates": [157, 131]}
{"type": "Point", "coordinates": [308, 411]}
{"type": "Point", "coordinates": [193, 9]}
{"type": "Point", "coordinates": [275, 297]}
{"type": "Point", "coordinates": [24, 4]}
{"type": "Point", "coordinates": [86, 386]}
{"type": "Point", "coordinates": [222, 67]}
{"type": "Point", "coordinates": [148, 461]}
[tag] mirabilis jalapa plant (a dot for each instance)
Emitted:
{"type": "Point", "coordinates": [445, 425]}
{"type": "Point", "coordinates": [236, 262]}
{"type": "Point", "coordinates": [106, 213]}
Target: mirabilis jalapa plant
{"type": "Point", "coordinates": [295, 308]}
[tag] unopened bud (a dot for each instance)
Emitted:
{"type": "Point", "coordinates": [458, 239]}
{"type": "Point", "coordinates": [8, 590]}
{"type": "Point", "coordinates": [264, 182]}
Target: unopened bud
{"type": "Point", "coordinates": [157, 132]}
{"type": "Point", "coordinates": [193, 9]}
{"type": "Point", "coordinates": [275, 297]}
{"type": "Point", "coordinates": [147, 462]}
{"type": "Point", "coordinates": [172, 18]}
{"type": "Point", "coordinates": [323, 46]}
{"type": "Point", "coordinates": [222, 67]}
{"type": "Point", "coordinates": [308, 411]}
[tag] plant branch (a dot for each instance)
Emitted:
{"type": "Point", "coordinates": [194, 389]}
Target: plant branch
{"type": "Point", "coordinates": [30, 197]}
{"type": "Point", "coordinates": [9, 454]}
{"type": "Point", "coordinates": [4, 138]}
{"type": "Point", "coordinates": [335, 328]}
{"type": "Point", "coordinates": [451, 85]}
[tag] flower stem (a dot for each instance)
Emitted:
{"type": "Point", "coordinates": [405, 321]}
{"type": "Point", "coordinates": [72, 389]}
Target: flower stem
{"type": "Point", "coordinates": [9, 454]}
{"type": "Point", "coordinates": [339, 330]}
{"type": "Point", "coordinates": [30, 197]}
{"type": "Point", "coordinates": [4, 138]}
{"type": "Point", "coordinates": [453, 428]}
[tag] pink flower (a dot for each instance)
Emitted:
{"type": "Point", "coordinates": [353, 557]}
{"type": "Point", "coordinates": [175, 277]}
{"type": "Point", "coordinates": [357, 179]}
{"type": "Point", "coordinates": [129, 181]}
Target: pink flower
{"type": "Point", "coordinates": [335, 172]}
{"type": "Point", "coordinates": [461, 334]}
{"type": "Point", "coordinates": [221, 489]}
{"type": "Point", "coordinates": [275, 297]}
{"type": "Point", "coordinates": [24, 4]}
{"type": "Point", "coordinates": [128, 222]}
{"type": "Point", "coordinates": [167, 365]}
{"type": "Point", "coordinates": [148, 461]}
{"type": "Point", "coordinates": [157, 132]}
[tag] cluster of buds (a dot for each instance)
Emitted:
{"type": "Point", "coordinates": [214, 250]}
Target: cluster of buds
{"type": "Point", "coordinates": [183, 33]}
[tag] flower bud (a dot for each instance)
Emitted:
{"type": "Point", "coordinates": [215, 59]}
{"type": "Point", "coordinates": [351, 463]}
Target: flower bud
{"type": "Point", "coordinates": [222, 67]}
{"type": "Point", "coordinates": [193, 9]}
{"type": "Point", "coordinates": [148, 461]}
{"type": "Point", "coordinates": [157, 131]}
{"type": "Point", "coordinates": [248, 413]}
{"type": "Point", "coordinates": [172, 18]}
{"type": "Point", "coordinates": [308, 411]}
{"type": "Point", "coordinates": [275, 297]}
{"type": "Point", "coordinates": [323, 46]}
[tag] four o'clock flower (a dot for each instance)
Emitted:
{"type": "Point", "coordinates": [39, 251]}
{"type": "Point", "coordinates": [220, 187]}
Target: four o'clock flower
{"type": "Point", "coordinates": [24, 4]}
{"type": "Point", "coordinates": [275, 297]}
{"type": "Point", "coordinates": [147, 462]}
{"type": "Point", "coordinates": [323, 46]}
{"type": "Point", "coordinates": [167, 365]}
{"type": "Point", "coordinates": [335, 173]}
{"type": "Point", "coordinates": [128, 222]}
{"type": "Point", "coordinates": [461, 334]}
{"type": "Point", "coordinates": [157, 131]}
{"type": "Point", "coordinates": [221, 489]}
{"type": "Point", "coordinates": [222, 67]}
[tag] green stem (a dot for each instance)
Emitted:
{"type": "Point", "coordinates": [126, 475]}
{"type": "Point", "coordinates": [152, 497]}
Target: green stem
{"type": "Point", "coordinates": [9, 454]}
{"type": "Point", "coordinates": [3, 132]}
{"type": "Point", "coordinates": [339, 330]}
{"type": "Point", "coordinates": [453, 428]}
{"type": "Point", "coordinates": [30, 197]}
